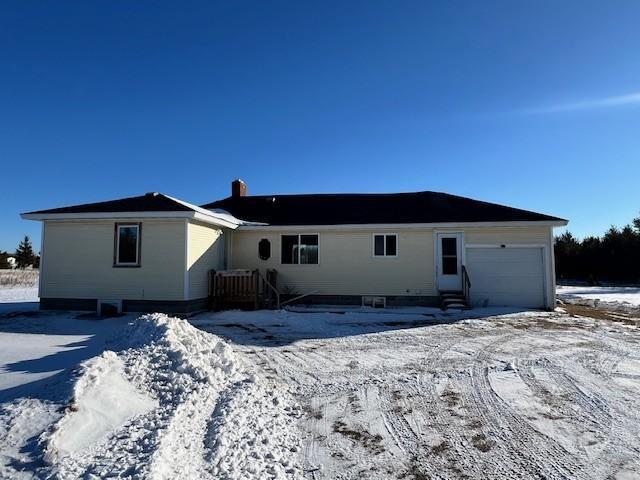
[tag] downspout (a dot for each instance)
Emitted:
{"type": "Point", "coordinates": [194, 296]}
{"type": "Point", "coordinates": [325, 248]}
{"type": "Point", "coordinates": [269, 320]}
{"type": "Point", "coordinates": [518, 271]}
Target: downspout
{"type": "Point", "coordinates": [41, 267]}
{"type": "Point", "coordinates": [228, 259]}
{"type": "Point", "coordinates": [186, 260]}
{"type": "Point", "coordinates": [552, 255]}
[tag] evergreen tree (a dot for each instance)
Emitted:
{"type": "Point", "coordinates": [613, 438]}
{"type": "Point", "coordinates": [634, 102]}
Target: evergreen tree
{"type": "Point", "coordinates": [4, 262]}
{"type": "Point", "coordinates": [615, 256]}
{"type": "Point", "coordinates": [24, 253]}
{"type": "Point", "coordinates": [567, 262]}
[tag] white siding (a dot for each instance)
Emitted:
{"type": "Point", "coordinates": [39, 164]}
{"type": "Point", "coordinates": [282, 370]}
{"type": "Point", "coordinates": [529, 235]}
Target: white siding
{"type": "Point", "coordinates": [507, 235]}
{"type": "Point", "coordinates": [79, 261]}
{"type": "Point", "coordinates": [205, 252]}
{"type": "Point", "coordinates": [347, 266]}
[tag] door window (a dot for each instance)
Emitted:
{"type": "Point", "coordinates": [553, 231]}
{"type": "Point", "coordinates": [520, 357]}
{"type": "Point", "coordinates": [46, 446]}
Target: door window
{"type": "Point", "coordinates": [449, 249]}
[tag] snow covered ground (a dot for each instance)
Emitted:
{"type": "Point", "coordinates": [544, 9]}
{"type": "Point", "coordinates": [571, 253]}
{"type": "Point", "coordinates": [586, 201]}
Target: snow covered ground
{"type": "Point", "coordinates": [18, 290]}
{"type": "Point", "coordinates": [622, 298]}
{"type": "Point", "coordinates": [18, 299]}
{"type": "Point", "coordinates": [431, 395]}
{"type": "Point", "coordinates": [355, 393]}
{"type": "Point", "coordinates": [151, 397]}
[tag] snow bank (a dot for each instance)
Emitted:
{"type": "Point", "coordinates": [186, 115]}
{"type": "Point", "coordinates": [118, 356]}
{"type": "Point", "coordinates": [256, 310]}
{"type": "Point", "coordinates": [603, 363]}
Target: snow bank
{"type": "Point", "coordinates": [183, 356]}
{"type": "Point", "coordinates": [103, 400]}
{"type": "Point", "coordinates": [263, 414]}
{"type": "Point", "coordinates": [172, 402]}
{"type": "Point", "coordinates": [618, 298]}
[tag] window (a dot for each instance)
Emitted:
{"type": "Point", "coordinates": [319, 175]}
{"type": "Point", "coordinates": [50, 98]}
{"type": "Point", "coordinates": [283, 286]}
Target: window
{"type": "Point", "coordinates": [299, 249]}
{"type": "Point", "coordinates": [385, 245]}
{"type": "Point", "coordinates": [127, 245]}
{"type": "Point", "coordinates": [264, 249]}
{"type": "Point", "coordinates": [449, 256]}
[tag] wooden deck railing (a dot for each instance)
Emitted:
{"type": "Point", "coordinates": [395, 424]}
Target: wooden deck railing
{"type": "Point", "coordinates": [243, 289]}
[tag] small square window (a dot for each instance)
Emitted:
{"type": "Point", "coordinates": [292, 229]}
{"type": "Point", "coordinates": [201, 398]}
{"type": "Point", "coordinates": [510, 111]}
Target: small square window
{"type": "Point", "coordinates": [385, 245]}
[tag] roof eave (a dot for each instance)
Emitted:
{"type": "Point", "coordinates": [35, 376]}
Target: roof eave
{"type": "Point", "coordinates": [369, 226]}
{"type": "Point", "coordinates": [202, 217]}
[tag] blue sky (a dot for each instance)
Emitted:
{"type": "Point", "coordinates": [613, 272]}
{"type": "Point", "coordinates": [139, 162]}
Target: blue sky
{"type": "Point", "coordinates": [530, 104]}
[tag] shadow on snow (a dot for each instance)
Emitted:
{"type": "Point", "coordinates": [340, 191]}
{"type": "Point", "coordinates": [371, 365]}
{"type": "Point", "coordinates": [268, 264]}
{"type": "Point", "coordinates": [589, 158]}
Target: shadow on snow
{"type": "Point", "coordinates": [268, 328]}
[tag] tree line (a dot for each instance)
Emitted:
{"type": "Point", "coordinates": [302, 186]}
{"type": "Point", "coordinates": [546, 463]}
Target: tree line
{"type": "Point", "coordinates": [612, 257]}
{"type": "Point", "coordinates": [24, 256]}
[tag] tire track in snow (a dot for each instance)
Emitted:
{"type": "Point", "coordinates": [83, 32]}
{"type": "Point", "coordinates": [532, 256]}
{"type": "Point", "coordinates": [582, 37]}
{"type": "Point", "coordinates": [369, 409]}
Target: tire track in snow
{"type": "Point", "coordinates": [397, 425]}
{"type": "Point", "coordinates": [582, 405]}
{"type": "Point", "coordinates": [593, 409]}
{"type": "Point", "coordinates": [537, 454]}
{"type": "Point", "coordinates": [423, 363]}
{"type": "Point", "coordinates": [450, 456]}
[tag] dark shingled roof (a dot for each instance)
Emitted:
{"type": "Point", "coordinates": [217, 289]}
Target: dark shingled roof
{"type": "Point", "coordinates": [355, 208]}
{"type": "Point", "coordinates": [150, 202]}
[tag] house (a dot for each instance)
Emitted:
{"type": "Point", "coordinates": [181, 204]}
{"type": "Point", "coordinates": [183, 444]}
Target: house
{"type": "Point", "coordinates": [155, 252]}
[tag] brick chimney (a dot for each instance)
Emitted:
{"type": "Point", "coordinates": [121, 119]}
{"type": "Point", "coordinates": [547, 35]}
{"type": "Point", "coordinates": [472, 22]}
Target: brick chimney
{"type": "Point", "coordinates": [238, 188]}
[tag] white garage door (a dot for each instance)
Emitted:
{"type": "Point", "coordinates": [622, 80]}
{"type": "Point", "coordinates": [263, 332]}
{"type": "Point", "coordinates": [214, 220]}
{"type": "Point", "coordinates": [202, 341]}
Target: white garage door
{"type": "Point", "coordinates": [506, 276]}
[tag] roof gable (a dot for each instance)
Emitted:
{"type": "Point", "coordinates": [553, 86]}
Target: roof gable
{"type": "Point", "coordinates": [152, 204]}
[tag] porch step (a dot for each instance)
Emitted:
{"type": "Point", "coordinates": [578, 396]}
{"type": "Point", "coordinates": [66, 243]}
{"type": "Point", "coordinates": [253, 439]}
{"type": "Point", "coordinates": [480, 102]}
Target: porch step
{"type": "Point", "coordinates": [460, 306]}
{"type": "Point", "coordinates": [452, 299]}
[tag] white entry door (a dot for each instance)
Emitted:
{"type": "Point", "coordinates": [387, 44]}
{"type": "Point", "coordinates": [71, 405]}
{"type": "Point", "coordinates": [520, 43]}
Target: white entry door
{"type": "Point", "coordinates": [449, 261]}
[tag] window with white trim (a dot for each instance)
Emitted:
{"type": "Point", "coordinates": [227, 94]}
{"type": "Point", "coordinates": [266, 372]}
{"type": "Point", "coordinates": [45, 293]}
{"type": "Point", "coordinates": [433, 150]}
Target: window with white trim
{"type": "Point", "coordinates": [385, 245]}
{"type": "Point", "coordinates": [299, 249]}
{"type": "Point", "coordinates": [127, 242]}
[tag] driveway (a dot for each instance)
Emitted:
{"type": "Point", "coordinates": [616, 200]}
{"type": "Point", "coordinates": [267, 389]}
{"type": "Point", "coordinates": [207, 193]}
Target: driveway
{"type": "Point", "coordinates": [418, 394]}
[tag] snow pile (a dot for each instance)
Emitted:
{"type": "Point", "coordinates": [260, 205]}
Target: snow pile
{"type": "Point", "coordinates": [103, 400]}
{"type": "Point", "coordinates": [174, 402]}
{"type": "Point", "coordinates": [183, 358]}
{"type": "Point", "coordinates": [618, 298]}
{"type": "Point", "coordinates": [270, 451]}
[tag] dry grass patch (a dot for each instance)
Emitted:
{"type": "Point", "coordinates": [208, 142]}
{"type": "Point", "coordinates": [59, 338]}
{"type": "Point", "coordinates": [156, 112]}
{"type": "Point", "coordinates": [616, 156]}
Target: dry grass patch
{"type": "Point", "coordinates": [19, 278]}
{"type": "Point", "coordinates": [599, 313]}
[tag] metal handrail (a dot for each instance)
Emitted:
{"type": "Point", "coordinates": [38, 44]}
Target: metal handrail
{"type": "Point", "coordinates": [272, 287]}
{"type": "Point", "coordinates": [466, 283]}
{"type": "Point", "coordinates": [299, 297]}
